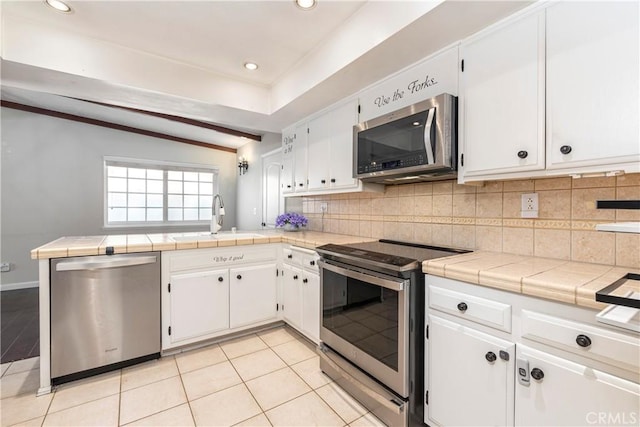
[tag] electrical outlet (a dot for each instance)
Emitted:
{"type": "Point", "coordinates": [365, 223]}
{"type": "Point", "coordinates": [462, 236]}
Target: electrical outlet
{"type": "Point", "coordinates": [323, 207]}
{"type": "Point", "coordinates": [5, 267]}
{"type": "Point", "coordinates": [529, 207]}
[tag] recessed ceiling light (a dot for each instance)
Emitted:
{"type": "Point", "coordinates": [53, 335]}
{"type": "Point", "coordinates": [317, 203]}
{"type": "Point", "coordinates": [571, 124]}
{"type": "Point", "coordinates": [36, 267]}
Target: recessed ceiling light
{"type": "Point", "coordinates": [306, 4]}
{"type": "Point", "coordinates": [251, 66]}
{"type": "Point", "coordinates": [58, 5]}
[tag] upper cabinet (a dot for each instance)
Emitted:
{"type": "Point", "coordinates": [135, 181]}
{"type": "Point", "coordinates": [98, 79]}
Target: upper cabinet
{"type": "Point", "coordinates": [552, 91]}
{"type": "Point", "coordinates": [288, 136]}
{"type": "Point", "coordinates": [593, 66]}
{"type": "Point", "coordinates": [300, 158]}
{"type": "Point", "coordinates": [502, 98]}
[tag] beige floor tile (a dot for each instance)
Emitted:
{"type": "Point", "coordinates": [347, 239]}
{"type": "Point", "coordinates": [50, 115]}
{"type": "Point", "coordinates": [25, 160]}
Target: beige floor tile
{"type": "Point", "coordinates": [257, 421]}
{"type": "Point", "coordinates": [178, 416]}
{"type": "Point", "coordinates": [256, 364]}
{"type": "Point", "coordinates": [83, 391]}
{"type": "Point", "coordinates": [209, 380]}
{"type": "Point", "coordinates": [369, 420]}
{"type": "Point", "coordinates": [294, 352]}
{"type": "Point", "coordinates": [196, 359]}
{"type": "Point", "coordinates": [149, 372]}
{"type": "Point", "coordinates": [225, 407]}
{"type": "Point", "coordinates": [102, 412]}
{"type": "Point", "coordinates": [243, 345]}
{"type": "Point", "coordinates": [34, 422]}
{"type": "Point", "coordinates": [344, 405]}
{"type": "Point", "coordinates": [306, 410]}
{"type": "Point", "coordinates": [20, 383]}
{"type": "Point", "coordinates": [22, 408]}
{"type": "Point", "coordinates": [4, 367]}
{"type": "Point", "coordinates": [150, 399]}
{"type": "Point", "coordinates": [24, 365]}
{"type": "Point", "coordinates": [277, 387]}
{"type": "Point", "coordinates": [310, 372]}
{"type": "Point", "coordinates": [277, 336]}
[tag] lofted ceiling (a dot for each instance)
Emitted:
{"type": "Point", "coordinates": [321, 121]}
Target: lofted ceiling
{"type": "Point", "coordinates": [186, 57]}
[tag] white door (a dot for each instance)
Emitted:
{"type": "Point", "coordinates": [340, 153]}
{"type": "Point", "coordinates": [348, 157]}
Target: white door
{"type": "Point", "coordinates": [300, 155]}
{"type": "Point", "coordinates": [288, 153]}
{"type": "Point", "coordinates": [341, 150]}
{"type": "Point", "coordinates": [292, 295]}
{"type": "Point", "coordinates": [199, 304]}
{"type": "Point", "coordinates": [502, 99]}
{"type": "Point", "coordinates": [593, 69]}
{"type": "Point", "coordinates": [318, 152]}
{"type": "Point", "coordinates": [570, 394]}
{"type": "Point", "coordinates": [272, 198]}
{"type": "Point", "coordinates": [311, 306]}
{"type": "Point", "coordinates": [469, 381]}
{"type": "Point", "coordinates": [252, 294]}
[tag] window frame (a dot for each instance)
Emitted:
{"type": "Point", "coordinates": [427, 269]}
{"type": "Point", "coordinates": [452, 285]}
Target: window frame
{"type": "Point", "coordinates": [159, 165]}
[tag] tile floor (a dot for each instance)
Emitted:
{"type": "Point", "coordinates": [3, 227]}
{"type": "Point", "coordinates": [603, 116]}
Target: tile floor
{"type": "Point", "coordinates": [268, 378]}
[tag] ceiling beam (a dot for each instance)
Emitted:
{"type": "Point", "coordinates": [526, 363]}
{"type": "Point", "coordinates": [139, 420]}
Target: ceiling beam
{"type": "Point", "coordinates": [110, 125]}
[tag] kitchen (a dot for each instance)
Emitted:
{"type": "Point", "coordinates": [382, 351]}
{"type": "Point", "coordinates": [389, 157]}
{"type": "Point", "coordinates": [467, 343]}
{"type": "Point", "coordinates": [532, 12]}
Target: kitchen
{"type": "Point", "coordinates": [477, 217]}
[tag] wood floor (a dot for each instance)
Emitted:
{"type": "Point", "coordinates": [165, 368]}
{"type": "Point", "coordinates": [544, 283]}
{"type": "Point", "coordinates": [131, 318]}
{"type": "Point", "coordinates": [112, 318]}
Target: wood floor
{"type": "Point", "coordinates": [19, 337]}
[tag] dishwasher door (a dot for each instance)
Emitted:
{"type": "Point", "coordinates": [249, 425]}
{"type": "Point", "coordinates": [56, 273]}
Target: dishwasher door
{"type": "Point", "coordinates": [105, 310]}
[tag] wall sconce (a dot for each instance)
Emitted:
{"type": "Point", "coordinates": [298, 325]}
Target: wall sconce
{"type": "Point", "coordinates": [243, 165]}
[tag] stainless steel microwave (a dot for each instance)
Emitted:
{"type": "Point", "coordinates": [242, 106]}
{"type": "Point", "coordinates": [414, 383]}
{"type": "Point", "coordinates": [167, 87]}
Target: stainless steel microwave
{"type": "Point", "coordinates": [415, 143]}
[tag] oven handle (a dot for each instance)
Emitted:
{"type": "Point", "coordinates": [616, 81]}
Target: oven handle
{"type": "Point", "coordinates": [389, 404]}
{"type": "Point", "coordinates": [394, 285]}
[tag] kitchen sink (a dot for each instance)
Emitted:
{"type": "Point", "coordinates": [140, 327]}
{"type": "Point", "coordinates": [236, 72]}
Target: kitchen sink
{"type": "Point", "coordinates": [219, 236]}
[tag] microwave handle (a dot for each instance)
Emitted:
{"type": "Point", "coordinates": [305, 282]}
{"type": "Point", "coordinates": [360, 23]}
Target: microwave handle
{"type": "Point", "coordinates": [427, 136]}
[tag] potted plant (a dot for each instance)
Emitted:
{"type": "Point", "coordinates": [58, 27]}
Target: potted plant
{"type": "Point", "coordinates": [291, 221]}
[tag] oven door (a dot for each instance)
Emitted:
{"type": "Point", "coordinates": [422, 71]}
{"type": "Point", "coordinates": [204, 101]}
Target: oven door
{"type": "Point", "coordinates": [365, 318]}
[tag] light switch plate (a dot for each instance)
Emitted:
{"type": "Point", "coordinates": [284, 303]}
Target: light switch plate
{"type": "Point", "coordinates": [5, 267]}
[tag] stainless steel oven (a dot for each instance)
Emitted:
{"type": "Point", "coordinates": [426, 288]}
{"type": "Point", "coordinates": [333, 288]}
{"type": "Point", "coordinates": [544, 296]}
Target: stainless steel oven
{"type": "Point", "coordinates": [372, 324]}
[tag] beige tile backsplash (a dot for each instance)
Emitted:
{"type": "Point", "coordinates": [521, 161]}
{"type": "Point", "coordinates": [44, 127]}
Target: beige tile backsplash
{"type": "Point", "coordinates": [488, 217]}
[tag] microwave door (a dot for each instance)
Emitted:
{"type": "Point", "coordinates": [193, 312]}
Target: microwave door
{"type": "Point", "coordinates": [428, 146]}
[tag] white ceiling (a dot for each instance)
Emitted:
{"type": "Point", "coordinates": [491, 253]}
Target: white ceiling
{"type": "Point", "coordinates": [185, 58]}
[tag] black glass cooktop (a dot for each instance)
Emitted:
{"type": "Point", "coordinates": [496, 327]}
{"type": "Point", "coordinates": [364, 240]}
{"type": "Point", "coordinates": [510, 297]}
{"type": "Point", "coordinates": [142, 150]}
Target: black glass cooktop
{"type": "Point", "coordinates": [398, 256]}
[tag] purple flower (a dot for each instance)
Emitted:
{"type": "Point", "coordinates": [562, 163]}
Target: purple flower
{"type": "Point", "coordinates": [295, 219]}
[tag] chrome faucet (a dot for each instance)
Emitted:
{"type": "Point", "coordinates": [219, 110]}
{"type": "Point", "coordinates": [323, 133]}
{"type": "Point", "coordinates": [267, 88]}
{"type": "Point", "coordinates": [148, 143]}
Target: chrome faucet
{"type": "Point", "coordinates": [216, 219]}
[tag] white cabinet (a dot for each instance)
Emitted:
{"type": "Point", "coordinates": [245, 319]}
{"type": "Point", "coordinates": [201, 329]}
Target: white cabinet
{"type": "Point", "coordinates": [593, 394]}
{"type": "Point", "coordinates": [331, 148]}
{"type": "Point", "coordinates": [288, 136]}
{"type": "Point", "coordinates": [471, 376]}
{"type": "Point", "coordinates": [301, 291]}
{"type": "Point", "coordinates": [502, 98]}
{"type": "Point", "coordinates": [252, 294]}
{"type": "Point", "coordinates": [300, 158]}
{"type": "Point", "coordinates": [593, 69]}
{"type": "Point", "coordinates": [199, 304]}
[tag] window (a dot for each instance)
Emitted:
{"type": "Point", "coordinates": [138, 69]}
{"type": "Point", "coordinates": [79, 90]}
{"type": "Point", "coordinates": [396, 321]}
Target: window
{"type": "Point", "coordinates": [145, 193]}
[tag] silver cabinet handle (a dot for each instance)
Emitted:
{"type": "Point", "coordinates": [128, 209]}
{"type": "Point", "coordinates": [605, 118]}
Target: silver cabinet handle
{"type": "Point", "coordinates": [427, 136]}
{"type": "Point", "coordinates": [106, 261]}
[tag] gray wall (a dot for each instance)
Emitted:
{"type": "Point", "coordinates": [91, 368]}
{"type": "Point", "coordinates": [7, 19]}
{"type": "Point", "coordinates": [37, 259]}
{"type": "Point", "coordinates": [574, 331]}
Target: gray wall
{"type": "Point", "coordinates": [250, 184]}
{"type": "Point", "coordinates": [52, 182]}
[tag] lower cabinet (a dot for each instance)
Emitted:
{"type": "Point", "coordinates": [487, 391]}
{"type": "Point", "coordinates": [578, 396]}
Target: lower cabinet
{"type": "Point", "coordinates": [561, 392]}
{"type": "Point", "coordinates": [548, 364]}
{"type": "Point", "coordinates": [301, 292]}
{"type": "Point", "coordinates": [476, 388]}
{"type": "Point", "coordinates": [292, 296]}
{"type": "Point", "coordinates": [253, 294]}
{"type": "Point", "coordinates": [199, 304]}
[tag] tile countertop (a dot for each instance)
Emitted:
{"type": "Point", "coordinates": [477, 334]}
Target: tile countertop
{"type": "Point", "coordinates": [126, 243]}
{"type": "Point", "coordinates": [553, 279]}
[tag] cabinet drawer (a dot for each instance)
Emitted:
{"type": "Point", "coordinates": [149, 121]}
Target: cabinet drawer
{"type": "Point", "coordinates": [579, 338]}
{"type": "Point", "coordinates": [310, 262]}
{"type": "Point", "coordinates": [480, 310]}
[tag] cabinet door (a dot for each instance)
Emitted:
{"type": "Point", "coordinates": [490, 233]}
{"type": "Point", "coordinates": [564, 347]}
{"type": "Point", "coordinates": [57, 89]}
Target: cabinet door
{"type": "Point", "coordinates": [311, 306]}
{"type": "Point", "coordinates": [300, 154]}
{"type": "Point", "coordinates": [288, 139]}
{"type": "Point", "coordinates": [593, 68]}
{"type": "Point", "coordinates": [341, 149]}
{"type": "Point", "coordinates": [318, 151]}
{"type": "Point", "coordinates": [292, 295]}
{"type": "Point", "coordinates": [199, 304]}
{"type": "Point", "coordinates": [570, 394]}
{"type": "Point", "coordinates": [465, 387]}
{"type": "Point", "coordinates": [252, 294]}
{"type": "Point", "coordinates": [502, 99]}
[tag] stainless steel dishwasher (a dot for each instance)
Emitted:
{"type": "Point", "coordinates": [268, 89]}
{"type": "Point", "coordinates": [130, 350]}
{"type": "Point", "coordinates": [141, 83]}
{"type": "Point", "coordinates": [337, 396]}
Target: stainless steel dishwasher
{"type": "Point", "coordinates": [105, 313]}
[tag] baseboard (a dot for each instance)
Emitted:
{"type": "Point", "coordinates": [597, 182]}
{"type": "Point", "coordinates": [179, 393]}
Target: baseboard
{"type": "Point", "coordinates": [21, 285]}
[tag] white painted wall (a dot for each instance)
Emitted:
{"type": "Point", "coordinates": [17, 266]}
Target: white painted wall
{"type": "Point", "coordinates": [250, 184]}
{"type": "Point", "coordinates": [52, 182]}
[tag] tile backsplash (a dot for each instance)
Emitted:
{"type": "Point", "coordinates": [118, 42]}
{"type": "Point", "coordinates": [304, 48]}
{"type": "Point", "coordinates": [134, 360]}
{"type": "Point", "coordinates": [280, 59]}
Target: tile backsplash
{"type": "Point", "coordinates": [488, 217]}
